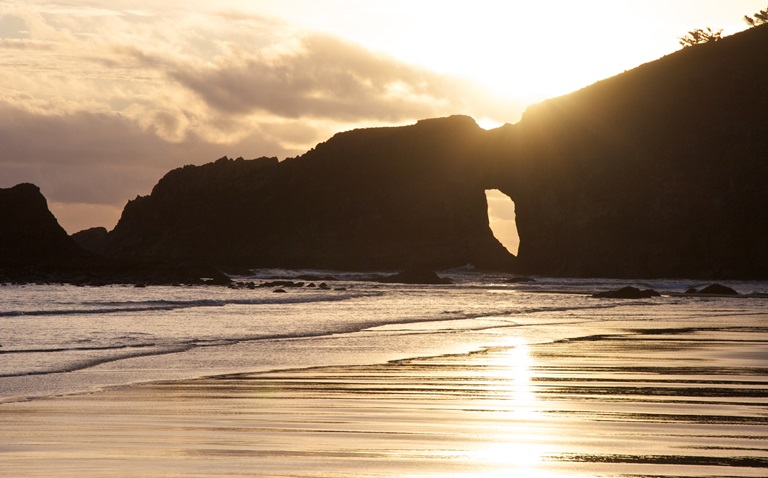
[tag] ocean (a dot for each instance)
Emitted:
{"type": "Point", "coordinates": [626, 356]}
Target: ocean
{"type": "Point", "coordinates": [477, 377]}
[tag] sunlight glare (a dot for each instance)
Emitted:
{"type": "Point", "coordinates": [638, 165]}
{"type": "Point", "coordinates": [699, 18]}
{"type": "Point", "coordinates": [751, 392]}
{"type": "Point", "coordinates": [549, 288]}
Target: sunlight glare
{"type": "Point", "coordinates": [519, 362]}
{"type": "Point", "coordinates": [523, 443]}
{"type": "Point", "coordinates": [488, 123]}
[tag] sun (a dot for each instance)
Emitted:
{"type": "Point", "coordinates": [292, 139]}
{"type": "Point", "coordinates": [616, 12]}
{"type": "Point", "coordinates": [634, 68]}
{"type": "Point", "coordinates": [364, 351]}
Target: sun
{"type": "Point", "coordinates": [528, 51]}
{"type": "Point", "coordinates": [515, 53]}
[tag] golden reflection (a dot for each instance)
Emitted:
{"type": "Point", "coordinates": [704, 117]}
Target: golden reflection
{"type": "Point", "coordinates": [522, 393]}
{"type": "Point", "coordinates": [523, 435]}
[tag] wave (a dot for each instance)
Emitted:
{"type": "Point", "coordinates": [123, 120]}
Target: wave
{"type": "Point", "coordinates": [81, 354]}
{"type": "Point", "coordinates": [76, 365]}
{"type": "Point", "coordinates": [166, 305]}
{"type": "Point", "coordinates": [151, 349]}
{"type": "Point", "coordinates": [76, 349]}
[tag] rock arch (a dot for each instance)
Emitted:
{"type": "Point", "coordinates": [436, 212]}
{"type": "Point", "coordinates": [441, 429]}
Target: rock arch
{"type": "Point", "coordinates": [502, 219]}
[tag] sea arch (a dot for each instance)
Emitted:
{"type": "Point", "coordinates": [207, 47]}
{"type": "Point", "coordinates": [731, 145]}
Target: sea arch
{"type": "Point", "coordinates": [502, 219]}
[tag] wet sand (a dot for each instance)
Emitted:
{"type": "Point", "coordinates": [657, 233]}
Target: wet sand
{"type": "Point", "coordinates": [666, 402]}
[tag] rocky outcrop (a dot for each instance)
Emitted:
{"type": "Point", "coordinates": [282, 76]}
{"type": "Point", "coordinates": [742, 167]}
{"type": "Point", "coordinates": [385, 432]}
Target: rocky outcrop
{"type": "Point", "coordinates": [35, 248]}
{"type": "Point", "coordinates": [94, 239]}
{"type": "Point", "coordinates": [658, 172]}
{"type": "Point", "coordinates": [29, 234]}
{"type": "Point", "coordinates": [383, 198]}
{"type": "Point", "coordinates": [714, 289]}
{"type": "Point", "coordinates": [628, 292]}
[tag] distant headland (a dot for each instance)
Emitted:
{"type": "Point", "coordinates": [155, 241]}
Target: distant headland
{"type": "Point", "coordinates": [661, 171]}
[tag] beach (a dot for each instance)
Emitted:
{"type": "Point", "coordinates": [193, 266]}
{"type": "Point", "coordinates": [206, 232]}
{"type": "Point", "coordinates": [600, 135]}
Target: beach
{"type": "Point", "coordinates": [438, 241]}
{"type": "Point", "coordinates": [664, 387]}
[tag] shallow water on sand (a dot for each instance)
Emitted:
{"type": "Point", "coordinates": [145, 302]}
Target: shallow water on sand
{"type": "Point", "coordinates": [476, 379]}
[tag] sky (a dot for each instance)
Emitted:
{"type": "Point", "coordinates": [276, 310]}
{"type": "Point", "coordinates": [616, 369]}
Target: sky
{"type": "Point", "coordinates": [100, 98]}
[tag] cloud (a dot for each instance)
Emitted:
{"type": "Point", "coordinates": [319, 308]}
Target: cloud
{"type": "Point", "coordinates": [318, 76]}
{"type": "Point", "coordinates": [101, 159]}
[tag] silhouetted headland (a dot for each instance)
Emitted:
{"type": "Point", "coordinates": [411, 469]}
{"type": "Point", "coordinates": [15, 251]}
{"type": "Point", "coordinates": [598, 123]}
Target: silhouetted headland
{"type": "Point", "coordinates": [372, 199]}
{"type": "Point", "coordinates": [657, 172]}
{"type": "Point", "coordinates": [35, 248]}
{"type": "Point", "coordinates": [30, 235]}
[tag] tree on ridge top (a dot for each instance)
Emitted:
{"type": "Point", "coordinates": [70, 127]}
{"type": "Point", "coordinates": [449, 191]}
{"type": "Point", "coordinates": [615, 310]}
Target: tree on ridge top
{"type": "Point", "coordinates": [699, 36]}
{"type": "Point", "coordinates": [758, 18]}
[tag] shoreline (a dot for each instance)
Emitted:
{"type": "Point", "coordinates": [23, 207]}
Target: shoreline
{"type": "Point", "coordinates": [417, 381]}
{"type": "Point", "coordinates": [537, 409]}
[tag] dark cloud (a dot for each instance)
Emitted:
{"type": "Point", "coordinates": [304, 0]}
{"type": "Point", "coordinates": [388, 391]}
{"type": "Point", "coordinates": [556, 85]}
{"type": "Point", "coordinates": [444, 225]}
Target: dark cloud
{"type": "Point", "coordinates": [325, 78]}
{"type": "Point", "coordinates": [71, 138]}
{"type": "Point", "coordinates": [99, 158]}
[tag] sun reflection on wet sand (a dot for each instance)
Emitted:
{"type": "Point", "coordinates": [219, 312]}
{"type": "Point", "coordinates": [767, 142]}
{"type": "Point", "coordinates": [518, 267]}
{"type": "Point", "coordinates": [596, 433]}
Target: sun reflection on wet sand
{"type": "Point", "coordinates": [522, 444]}
{"type": "Point", "coordinates": [523, 397]}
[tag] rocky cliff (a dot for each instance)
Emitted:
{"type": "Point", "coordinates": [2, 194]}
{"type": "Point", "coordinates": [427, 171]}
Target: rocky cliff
{"type": "Point", "coordinates": [658, 172]}
{"type": "Point", "coordinates": [383, 198]}
{"type": "Point", "coordinates": [30, 235]}
{"type": "Point", "coordinates": [35, 248]}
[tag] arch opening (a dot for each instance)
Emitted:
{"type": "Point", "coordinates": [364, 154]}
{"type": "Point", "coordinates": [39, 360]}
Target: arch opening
{"type": "Point", "coordinates": [501, 218]}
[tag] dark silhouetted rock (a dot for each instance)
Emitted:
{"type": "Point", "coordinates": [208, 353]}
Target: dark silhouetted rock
{"type": "Point", "coordinates": [416, 276]}
{"type": "Point", "coordinates": [30, 235]}
{"type": "Point", "coordinates": [627, 293]}
{"type": "Point", "coordinates": [94, 239]}
{"type": "Point", "coordinates": [718, 289]}
{"type": "Point", "coordinates": [369, 199]}
{"type": "Point", "coordinates": [657, 172]}
{"type": "Point", "coordinates": [520, 280]}
{"type": "Point", "coordinates": [282, 283]}
{"type": "Point", "coordinates": [35, 249]}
